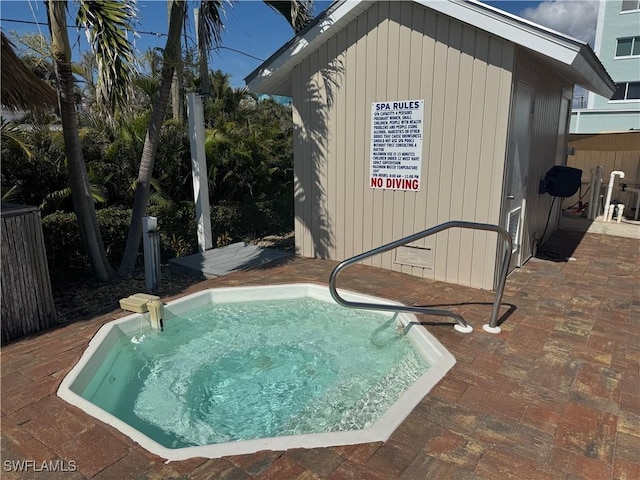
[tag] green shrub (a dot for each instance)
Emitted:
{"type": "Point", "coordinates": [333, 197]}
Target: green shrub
{"type": "Point", "coordinates": [240, 220]}
{"type": "Point", "coordinates": [230, 222]}
{"type": "Point", "coordinates": [114, 226]}
{"type": "Point", "coordinates": [227, 220]}
{"type": "Point", "coordinates": [66, 254]}
{"type": "Point", "coordinates": [177, 225]}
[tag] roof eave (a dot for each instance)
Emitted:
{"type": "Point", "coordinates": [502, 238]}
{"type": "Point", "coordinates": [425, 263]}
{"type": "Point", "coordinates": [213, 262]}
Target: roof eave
{"type": "Point", "coordinates": [271, 78]}
{"type": "Point", "coordinates": [574, 58]}
{"type": "Point", "coordinates": [596, 78]}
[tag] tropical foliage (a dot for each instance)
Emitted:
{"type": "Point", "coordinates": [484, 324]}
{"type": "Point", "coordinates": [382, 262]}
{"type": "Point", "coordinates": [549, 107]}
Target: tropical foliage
{"type": "Point", "coordinates": [249, 154]}
{"type": "Point", "coordinates": [118, 153]}
{"type": "Point", "coordinates": [297, 13]}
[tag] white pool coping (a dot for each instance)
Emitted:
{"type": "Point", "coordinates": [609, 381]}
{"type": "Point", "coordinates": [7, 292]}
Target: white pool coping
{"type": "Point", "coordinates": [438, 357]}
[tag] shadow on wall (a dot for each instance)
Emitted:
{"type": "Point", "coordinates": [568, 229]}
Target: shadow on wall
{"type": "Point", "coordinates": [310, 196]}
{"type": "Point", "coordinates": [318, 87]}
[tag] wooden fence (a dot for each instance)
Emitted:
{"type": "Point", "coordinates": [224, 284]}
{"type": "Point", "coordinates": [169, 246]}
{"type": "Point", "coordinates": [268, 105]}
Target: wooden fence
{"type": "Point", "coordinates": [26, 301]}
{"type": "Point", "coordinates": [613, 151]}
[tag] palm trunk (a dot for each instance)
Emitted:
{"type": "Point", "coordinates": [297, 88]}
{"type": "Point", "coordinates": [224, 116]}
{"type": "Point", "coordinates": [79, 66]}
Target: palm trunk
{"type": "Point", "coordinates": [78, 178]}
{"type": "Point", "coordinates": [171, 56]}
{"type": "Point", "coordinates": [176, 96]}
{"type": "Point", "coordinates": [176, 86]}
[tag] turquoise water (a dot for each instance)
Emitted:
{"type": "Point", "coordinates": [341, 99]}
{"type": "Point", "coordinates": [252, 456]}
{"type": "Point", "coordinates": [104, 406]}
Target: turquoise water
{"type": "Point", "coordinates": [241, 371]}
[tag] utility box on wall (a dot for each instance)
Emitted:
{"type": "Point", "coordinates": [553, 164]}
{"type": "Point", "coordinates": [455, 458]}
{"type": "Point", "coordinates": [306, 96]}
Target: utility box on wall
{"type": "Point", "coordinates": [26, 300]}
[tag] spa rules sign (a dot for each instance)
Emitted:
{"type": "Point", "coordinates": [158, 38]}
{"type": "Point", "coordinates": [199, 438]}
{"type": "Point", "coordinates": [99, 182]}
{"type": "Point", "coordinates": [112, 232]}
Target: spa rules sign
{"type": "Point", "coordinates": [396, 144]}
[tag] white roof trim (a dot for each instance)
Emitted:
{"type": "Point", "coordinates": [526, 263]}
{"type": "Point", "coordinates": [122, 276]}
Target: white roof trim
{"type": "Point", "coordinates": [267, 77]}
{"type": "Point", "coordinates": [572, 58]}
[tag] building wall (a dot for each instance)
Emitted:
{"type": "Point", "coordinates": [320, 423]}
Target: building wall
{"type": "Point", "coordinates": [402, 51]}
{"type": "Point", "coordinates": [615, 25]}
{"type": "Point", "coordinates": [548, 144]}
{"type": "Point", "coordinates": [585, 120]}
{"type": "Point", "coordinates": [604, 115]}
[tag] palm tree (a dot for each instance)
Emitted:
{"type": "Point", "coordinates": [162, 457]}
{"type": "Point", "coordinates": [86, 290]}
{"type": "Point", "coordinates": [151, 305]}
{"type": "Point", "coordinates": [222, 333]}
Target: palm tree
{"type": "Point", "coordinates": [107, 23]}
{"type": "Point", "coordinates": [297, 13]}
{"type": "Point", "coordinates": [225, 102]}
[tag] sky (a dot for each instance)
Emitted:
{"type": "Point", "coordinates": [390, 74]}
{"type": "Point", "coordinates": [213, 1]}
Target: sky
{"type": "Point", "coordinates": [257, 31]}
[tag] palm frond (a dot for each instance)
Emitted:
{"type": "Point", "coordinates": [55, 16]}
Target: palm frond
{"type": "Point", "coordinates": [297, 12]}
{"type": "Point", "coordinates": [12, 194]}
{"type": "Point", "coordinates": [157, 199]}
{"type": "Point", "coordinates": [20, 87]}
{"type": "Point", "coordinates": [148, 85]}
{"type": "Point", "coordinates": [155, 183]}
{"type": "Point", "coordinates": [95, 121]}
{"type": "Point", "coordinates": [211, 26]}
{"type": "Point", "coordinates": [108, 23]}
{"type": "Point", "coordinates": [11, 132]}
{"type": "Point", "coordinates": [56, 198]}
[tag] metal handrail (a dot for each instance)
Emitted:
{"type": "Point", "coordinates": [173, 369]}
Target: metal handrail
{"type": "Point", "coordinates": [462, 324]}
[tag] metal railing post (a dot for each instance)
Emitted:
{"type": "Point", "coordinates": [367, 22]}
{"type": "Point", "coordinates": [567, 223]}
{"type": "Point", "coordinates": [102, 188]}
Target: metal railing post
{"type": "Point", "coordinates": [462, 325]}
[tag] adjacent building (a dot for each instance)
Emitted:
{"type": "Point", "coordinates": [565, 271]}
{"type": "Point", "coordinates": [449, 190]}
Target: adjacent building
{"type": "Point", "coordinates": [617, 45]}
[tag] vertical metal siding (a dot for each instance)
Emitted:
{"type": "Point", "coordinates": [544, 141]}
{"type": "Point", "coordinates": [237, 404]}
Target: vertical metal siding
{"type": "Point", "coordinates": [379, 35]}
{"type": "Point", "coordinates": [404, 205]}
{"type": "Point", "coordinates": [351, 77]}
{"type": "Point", "coordinates": [373, 81]}
{"type": "Point", "coordinates": [544, 136]}
{"type": "Point", "coordinates": [414, 213]}
{"type": "Point", "coordinates": [361, 207]}
{"type": "Point", "coordinates": [403, 51]}
{"type": "Point", "coordinates": [501, 62]}
{"type": "Point", "coordinates": [472, 181]}
{"type": "Point", "coordinates": [333, 73]}
{"type": "Point", "coordinates": [391, 53]}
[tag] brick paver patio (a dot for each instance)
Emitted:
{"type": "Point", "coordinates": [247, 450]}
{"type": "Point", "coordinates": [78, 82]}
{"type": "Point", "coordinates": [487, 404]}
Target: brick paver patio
{"type": "Point", "coordinates": [556, 395]}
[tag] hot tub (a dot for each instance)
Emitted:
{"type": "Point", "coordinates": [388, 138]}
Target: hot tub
{"type": "Point", "coordinates": [243, 369]}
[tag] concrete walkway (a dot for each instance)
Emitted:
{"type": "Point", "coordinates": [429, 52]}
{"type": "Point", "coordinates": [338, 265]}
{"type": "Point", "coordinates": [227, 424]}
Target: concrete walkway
{"type": "Point", "coordinates": [222, 261]}
{"type": "Point", "coordinates": [555, 396]}
{"type": "Point", "coordinates": [626, 228]}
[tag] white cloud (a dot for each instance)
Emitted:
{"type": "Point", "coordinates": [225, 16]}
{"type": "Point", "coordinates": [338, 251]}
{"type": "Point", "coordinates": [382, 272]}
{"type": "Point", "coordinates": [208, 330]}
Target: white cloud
{"type": "Point", "coordinates": [576, 18]}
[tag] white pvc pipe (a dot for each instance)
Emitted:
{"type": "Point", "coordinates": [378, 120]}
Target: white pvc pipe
{"type": "Point", "coordinates": [620, 210]}
{"type": "Point", "coordinates": [609, 192]}
{"type": "Point", "coordinates": [595, 185]}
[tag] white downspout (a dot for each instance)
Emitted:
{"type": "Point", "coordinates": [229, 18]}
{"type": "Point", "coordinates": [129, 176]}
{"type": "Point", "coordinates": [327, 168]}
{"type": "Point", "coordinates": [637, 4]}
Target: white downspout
{"type": "Point", "coordinates": [609, 192]}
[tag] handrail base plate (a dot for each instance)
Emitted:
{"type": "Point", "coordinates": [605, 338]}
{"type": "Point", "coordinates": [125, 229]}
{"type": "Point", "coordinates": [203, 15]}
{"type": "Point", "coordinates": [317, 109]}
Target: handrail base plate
{"type": "Point", "coordinates": [488, 328]}
{"type": "Point", "coordinates": [459, 328]}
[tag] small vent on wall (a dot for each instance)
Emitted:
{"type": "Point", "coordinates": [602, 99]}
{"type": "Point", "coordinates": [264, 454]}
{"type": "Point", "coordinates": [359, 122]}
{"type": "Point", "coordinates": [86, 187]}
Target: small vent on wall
{"type": "Point", "coordinates": [514, 227]}
{"type": "Point", "coordinates": [415, 256]}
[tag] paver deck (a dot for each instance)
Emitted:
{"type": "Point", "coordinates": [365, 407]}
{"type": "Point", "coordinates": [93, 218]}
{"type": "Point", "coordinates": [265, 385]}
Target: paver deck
{"type": "Point", "coordinates": [556, 395]}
